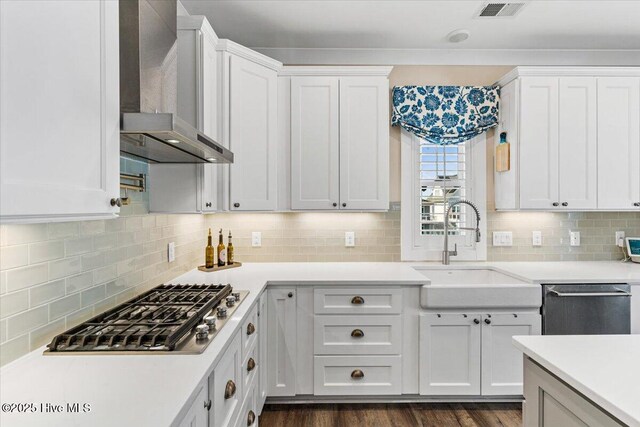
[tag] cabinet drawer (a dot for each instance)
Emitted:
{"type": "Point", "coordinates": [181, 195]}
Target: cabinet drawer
{"type": "Point", "coordinates": [248, 416]}
{"type": "Point", "coordinates": [225, 390]}
{"type": "Point", "coordinates": [357, 375]}
{"type": "Point", "coordinates": [249, 331]}
{"type": "Point", "coordinates": [250, 368]}
{"type": "Point", "coordinates": [357, 334]}
{"type": "Point", "coordinates": [357, 301]}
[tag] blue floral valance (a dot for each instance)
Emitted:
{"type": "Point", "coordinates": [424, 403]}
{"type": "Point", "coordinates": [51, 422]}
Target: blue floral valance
{"type": "Point", "coordinates": [445, 114]}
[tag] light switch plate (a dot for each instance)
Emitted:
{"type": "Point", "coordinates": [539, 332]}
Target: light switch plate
{"type": "Point", "coordinates": [502, 238]}
{"type": "Point", "coordinates": [256, 239]}
{"type": "Point", "coordinates": [171, 251]}
{"type": "Point", "coordinates": [574, 238]}
{"type": "Point", "coordinates": [349, 239]}
{"type": "Point", "coordinates": [536, 238]}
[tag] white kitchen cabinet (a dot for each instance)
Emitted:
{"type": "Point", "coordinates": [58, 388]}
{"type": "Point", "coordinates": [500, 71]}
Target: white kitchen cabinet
{"type": "Point", "coordinates": [501, 360]}
{"type": "Point", "coordinates": [262, 351]}
{"type": "Point", "coordinates": [225, 385]}
{"type": "Point", "coordinates": [282, 343]}
{"type": "Point", "coordinates": [197, 414]}
{"type": "Point", "coordinates": [339, 137]}
{"type": "Point", "coordinates": [619, 143]}
{"type": "Point", "coordinates": [192, 188]}
{"type": "Point", "coordinates": [575, 139]}
{"type": "Point", "coordinates": [472, 354]}
{"type": "Point", "coordinates": [59, 110]}
{"type": "Point", "coordinates": [250, 104]}
{"type": "Point", "coordinates": [450, 354]}
{"type": "Point", "coordinates": [315, 148]}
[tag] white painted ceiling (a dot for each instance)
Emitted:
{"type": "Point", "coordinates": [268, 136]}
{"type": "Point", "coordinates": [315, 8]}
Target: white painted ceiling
{"type": "Point", "coordinates": [357, 24]}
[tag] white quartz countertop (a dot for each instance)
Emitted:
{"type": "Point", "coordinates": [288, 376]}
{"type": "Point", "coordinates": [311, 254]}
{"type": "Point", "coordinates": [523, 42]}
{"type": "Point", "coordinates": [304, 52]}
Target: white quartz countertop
{"type": "Point", "coordinates": [146, 390]}
{"type": "Point", "coordinates": [151, 390]}
{"type": "Point", "coordinates": [604, 368]}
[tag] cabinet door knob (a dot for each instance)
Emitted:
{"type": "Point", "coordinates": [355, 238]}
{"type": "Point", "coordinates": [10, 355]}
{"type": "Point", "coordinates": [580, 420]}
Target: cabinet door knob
{"type": "Point", "coordinates": [487, 321]}
{"type": "Point", "coordinates": [229, 390]}
{"type": "Point", "coordinates": [251, 418]}
{"type": "Point", "coordinates": [335, 204]}
{"type": "Point", "coordinates": [251, 329]}
{"type": "Point", "coordinates": [555, 204]}
{"type": "Point", "coordinates": [290, 294]}
{"type": "Point", "coordinates": [207, 405]}
{"type": "Point", "coordinates": [116, 202]}
{"type": "Point", "coordinates": [636, 204]}
{"type": "Point", "coordinates": [236, 205]}
{"type": "Point", "coordinates": [357, 374]}
{"type": "Point", "coordinates": [565, 204]}
{"type": "Point", "coordinates": [476, 321]}
{"type": "Point", "coordinates": [251, 364]}
{"type": "Point", "coordinates": [357, 333]}
{"type": "Point", "coordinates": [357, 300]}
{"type": "Point", "coordinates": [344, 205]}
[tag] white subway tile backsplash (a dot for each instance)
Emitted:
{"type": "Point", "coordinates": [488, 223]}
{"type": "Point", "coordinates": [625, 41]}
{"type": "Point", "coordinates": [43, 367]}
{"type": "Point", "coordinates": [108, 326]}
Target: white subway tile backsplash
{"type": "Point", "coordinates": [79, 282]}
{"type": "Point", "coordinates": [12, 349]}
{"type": "Point", "coordinates": [25, 233]}
{"type": "Point", "coordinates": [45, 251]}
{"type": "Point", "coordinates": [92, 296]}
{"type": "Point", "coordinates": [25, 277]}
{"type": "Point", "coordinates": [64, 306]}
{"type": "Point", "coordinates": [3, 331]}
{"type": "Point", "coordinates": [88, 228]}
{"type": "Point", "coordinates": [14, 256]}
{"type": "Point", "coordinates": [48, 292]}
{"type": "Point", "coordinates": [13, 303]}
{"type": "Point", "coordinates": [93, 260]}
{"type": "Point", "coordinates": [61, 230]}
{"type": "Point", "coordinates": [78, 245]}
{"type": "Point", "coordinates": [79, 316]}
{"type": "Point", "coordinates": [43, 335]}
{"type": "Point", "coordinates": [26, 321]}
{"type": "Point", "coordinates": [64, 267]}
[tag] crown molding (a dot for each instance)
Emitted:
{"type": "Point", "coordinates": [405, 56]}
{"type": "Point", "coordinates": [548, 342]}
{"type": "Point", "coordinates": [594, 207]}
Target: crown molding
{"type": "Point", "coordinates": [227, 45]}
{"type": "Point", "coordinates": [526, 57]}
{"type": "Point", "coordinates": [569, 71]}
{"type": "Point", "coordinates": [325, 70]}
{"type": "Point", "coordinates": [197, 22]}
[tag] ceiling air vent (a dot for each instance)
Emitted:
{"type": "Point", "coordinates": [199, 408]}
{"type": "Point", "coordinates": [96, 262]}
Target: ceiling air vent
{"type": "Point", "coordinates": [500, 10]}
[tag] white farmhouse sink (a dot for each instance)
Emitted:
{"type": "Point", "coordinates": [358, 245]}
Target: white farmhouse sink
{"type": "Point", "coordinates": [453, 287]}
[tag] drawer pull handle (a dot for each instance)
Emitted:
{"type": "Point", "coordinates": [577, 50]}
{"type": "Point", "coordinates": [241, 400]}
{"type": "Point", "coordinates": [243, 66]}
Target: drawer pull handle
{"type": "Point", "coordinates": [229, 390]}
{"type": "Point", "coordinates": [251, 418]}
{"type": "Point", "coordinates": [357, 333]}
{"type": "Point", "coordinates": [251, 329]}
{"type": "Point", "coordinates": [251, 364]}
{"type": "Point", "coordinates": [357, 300]}
{"type": "Point", "coordinates": [357, 374]}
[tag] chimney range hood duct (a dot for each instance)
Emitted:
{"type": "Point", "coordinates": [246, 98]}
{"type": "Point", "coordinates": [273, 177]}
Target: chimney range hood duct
{"type": "Point", "coordinates": [150, 126]}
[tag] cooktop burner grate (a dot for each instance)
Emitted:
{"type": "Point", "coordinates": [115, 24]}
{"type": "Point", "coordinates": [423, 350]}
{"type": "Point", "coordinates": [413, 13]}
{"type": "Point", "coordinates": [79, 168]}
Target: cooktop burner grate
{"type": "Point", "coordinates": [155, 320]}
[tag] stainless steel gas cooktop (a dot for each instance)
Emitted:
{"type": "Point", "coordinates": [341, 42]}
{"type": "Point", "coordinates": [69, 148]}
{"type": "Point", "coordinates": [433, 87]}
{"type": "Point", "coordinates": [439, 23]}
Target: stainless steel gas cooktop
{"type": "Point", "coordinates": [168, 319]}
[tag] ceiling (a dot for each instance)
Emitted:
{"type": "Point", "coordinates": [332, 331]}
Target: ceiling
{"type": "Point", "coordinates": [423, 25]}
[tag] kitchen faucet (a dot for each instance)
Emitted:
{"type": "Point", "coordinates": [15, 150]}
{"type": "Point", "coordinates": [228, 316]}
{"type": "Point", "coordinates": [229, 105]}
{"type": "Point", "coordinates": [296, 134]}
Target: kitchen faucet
{"type": "Point", "coordinates": [446, 253]}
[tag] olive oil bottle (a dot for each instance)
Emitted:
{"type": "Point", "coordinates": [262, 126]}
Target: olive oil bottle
{"type": "Point", "coordinates": [222, 251]}
{"type": "Point", "coordinates": [229, 250]}
{"type": "Point", "coordinates": [209, 253]}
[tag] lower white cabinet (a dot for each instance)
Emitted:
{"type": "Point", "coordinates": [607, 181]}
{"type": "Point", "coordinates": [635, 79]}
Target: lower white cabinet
{"type": "Point", "coordinates": [262, 351]}
{"type": "Point", "coordinates": [225, 387]}
{"type": "Point", "coordinates": [472, 354]}
{"type": "Point", "coordinates": [282, 343]}
{"type": "Point", "coordinates": [357, 375]}
{"type": "Point", "coordinates": [197, 414]}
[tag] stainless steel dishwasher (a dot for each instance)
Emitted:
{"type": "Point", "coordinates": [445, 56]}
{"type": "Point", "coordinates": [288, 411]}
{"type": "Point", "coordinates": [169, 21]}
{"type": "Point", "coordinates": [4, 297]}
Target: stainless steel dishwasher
{"type": "Point", "coordinates": [586, 309]}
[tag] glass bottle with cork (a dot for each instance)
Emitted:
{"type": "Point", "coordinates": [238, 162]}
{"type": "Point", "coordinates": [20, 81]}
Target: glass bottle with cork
{"type": "Point", "coordinates": [222, 251]}
{"type": "Point", "coordinates": [209, 253]}
{"type": "Point", "coordinates": [230, 251]}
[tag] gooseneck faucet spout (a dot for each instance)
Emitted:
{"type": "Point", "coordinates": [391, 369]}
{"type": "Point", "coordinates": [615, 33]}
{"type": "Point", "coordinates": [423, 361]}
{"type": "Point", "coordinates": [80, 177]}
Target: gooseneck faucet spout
{"type": "Point", "coordinates": [446, 253]}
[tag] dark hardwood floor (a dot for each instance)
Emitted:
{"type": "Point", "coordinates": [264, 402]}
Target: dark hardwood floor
{"type": "Point", "coordinates": [393, 415]}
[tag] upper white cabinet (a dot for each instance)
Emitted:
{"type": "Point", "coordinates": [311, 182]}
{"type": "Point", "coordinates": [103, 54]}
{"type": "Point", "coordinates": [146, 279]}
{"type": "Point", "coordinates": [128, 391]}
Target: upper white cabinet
{"type": "Point", "coordinates": [59, 110]}
{"type": "Point", "coordinates": [575, 140]}
{"type": "Point", "coordinates": [252, 104]}
{"type": "Point", "coordinates": [339, 137]}
{"type": "Point", "coordinates": [189, 188]}
{"type": "Point", "coordinates": [618, 142]}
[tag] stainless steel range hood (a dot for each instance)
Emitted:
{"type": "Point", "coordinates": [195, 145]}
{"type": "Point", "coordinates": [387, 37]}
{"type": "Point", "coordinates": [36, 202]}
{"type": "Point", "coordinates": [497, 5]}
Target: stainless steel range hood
{"type": "Point", "coordinates": [150, 126]}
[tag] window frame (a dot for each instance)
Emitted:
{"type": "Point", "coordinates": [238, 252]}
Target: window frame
{"type": "Point", "coordinates": [416, 247]}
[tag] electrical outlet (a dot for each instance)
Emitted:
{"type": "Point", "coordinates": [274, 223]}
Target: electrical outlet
{"type": "Point", "coordinates": [574, 238]}
{"type": "Point", "coordinates": [502, 238]}
{"type": "Point", "coordinates": [171, 251]}
{"type": "Point", "coordinates": [620, 238]}
{"type": "Point", "coordinates": [536, 238]}
{"type": "Point", "coordinates": [349, 239]}
{"type": "Point", "coordinates": [256, 239]}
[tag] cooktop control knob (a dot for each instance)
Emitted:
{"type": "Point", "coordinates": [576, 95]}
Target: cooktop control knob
{"type": "Point", "coordinates": [222, 312]}
{"type": "Point", "coordinates": [202, 332]}
{"type": "Point", "coordinates": [236, 295]}
{"type": "Point", "coordinates": [231, 301]}
{"type": "Point", "coordinates": [210, 321]}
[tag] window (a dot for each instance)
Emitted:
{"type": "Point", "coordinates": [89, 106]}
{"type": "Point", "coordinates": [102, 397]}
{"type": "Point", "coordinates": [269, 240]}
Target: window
{"type": "Point", "coordinates": [434, 173]}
